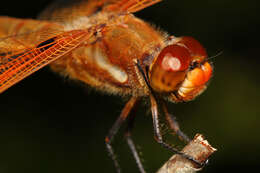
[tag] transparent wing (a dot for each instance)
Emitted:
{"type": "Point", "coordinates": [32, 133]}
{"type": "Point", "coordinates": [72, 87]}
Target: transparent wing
{"type": "Point", "coordinates": [131, 6]}
{"type": "Point", "coordinates": [15, 67]}
{"type": "Point", "coordinates": [16, 35]}
{"type": "Point", "coordinates": [64, 10]}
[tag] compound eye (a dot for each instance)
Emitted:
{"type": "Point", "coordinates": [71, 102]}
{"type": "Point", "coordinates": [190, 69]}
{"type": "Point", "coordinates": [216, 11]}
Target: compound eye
{"type": "Point", "coordinates": [169, 68]}
{"type": "Point", "coordinates": [195, 48]}
{"type": "Point", "coordinates": [174, 58]}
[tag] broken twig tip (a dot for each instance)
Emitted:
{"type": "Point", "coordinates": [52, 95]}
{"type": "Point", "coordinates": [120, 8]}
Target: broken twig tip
{"type": "Point", "coordinates": [198, 148]}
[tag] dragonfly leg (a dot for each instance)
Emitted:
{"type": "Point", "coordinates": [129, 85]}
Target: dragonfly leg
{"type": "Point", "coordinates": [173, 124]}
{"type": "Point", "coordinates": [112, 132]}
{"type": "Point", "coordinates": [158, 135]}
{"type": "Point", "coordinates": [130, 142]}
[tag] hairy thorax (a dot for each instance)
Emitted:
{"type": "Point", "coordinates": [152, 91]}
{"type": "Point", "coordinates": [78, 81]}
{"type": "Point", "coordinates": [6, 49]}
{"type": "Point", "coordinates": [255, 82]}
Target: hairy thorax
{"type": "Point", "coordinates": [108, 60]}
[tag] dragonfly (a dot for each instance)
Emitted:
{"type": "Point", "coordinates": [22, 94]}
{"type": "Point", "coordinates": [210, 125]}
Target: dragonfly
{"type": "Point", "coordinates": [103, 45]}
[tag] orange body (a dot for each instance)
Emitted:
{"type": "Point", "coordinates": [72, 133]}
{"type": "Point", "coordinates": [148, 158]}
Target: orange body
{"type": "Point", "coordinates": [102, 44]}
{"type": "Point", "coordinates": [109, 63]}
{"type": "Point", "coordinates": [107, 59]}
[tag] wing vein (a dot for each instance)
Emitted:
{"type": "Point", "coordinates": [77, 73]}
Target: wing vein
{"type": "Point", "coordinates": [32, 60]}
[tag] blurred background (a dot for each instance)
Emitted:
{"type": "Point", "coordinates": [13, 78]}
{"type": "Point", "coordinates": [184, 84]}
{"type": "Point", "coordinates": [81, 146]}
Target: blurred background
{"type": "Point", "coordinates": [49, 124]}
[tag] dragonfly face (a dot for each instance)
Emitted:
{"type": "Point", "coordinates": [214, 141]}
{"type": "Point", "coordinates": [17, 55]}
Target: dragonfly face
{"type": "Point", "coordinates": [181, 70]}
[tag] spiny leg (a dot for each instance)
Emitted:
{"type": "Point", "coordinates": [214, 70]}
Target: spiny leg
{"type": "Point", "coordinates": [130, 142]}
{"type": "Point", "coordinates": [109, 138]}
{"type": "Point", "coordinates": [158, 135]}
{"type": "Point", "coordinates": [173, 124]}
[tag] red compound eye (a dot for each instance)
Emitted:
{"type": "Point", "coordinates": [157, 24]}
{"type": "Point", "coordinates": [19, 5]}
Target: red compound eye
{"type": "Point", "coordinates": [174, 58]}
{"type": "Point", "coordinates": [195, 48]}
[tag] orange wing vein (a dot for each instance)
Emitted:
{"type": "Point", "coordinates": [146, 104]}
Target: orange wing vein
{"type": "Point", "coordinates": [131, 6]}
{"type": "Point", "coordinates": [58, 11]}
{"type": "Point", "coordinates": [17, 67]}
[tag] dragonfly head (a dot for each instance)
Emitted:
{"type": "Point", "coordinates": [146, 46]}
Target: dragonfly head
{"type": "Point", "coordinates": [181, 70]}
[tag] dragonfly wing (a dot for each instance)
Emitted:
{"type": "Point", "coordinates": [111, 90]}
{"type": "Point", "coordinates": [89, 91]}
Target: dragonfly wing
{"type": "Point", "coordinates": [130, 6]}
{"type": "Point", "coordinates": [15, 67]}
{"type": "Point", "coordinates": [16, 35]}
{"type": "Point", "coordinates": [64, 10]}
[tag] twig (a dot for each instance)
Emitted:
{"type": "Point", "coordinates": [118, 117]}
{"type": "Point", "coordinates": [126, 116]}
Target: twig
{"type": "Point", "coordinates": [198, 148]}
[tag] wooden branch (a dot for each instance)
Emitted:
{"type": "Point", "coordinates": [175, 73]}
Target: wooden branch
{"type": "Point", "coordinates": [198, 148]}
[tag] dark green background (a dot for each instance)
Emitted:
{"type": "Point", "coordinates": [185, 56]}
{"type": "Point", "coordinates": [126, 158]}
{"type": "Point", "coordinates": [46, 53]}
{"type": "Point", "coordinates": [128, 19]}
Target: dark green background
{"type": "Point", "coordinates": [48, 124]}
